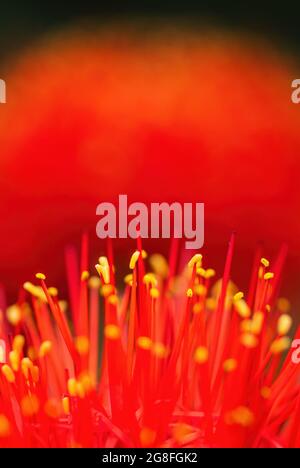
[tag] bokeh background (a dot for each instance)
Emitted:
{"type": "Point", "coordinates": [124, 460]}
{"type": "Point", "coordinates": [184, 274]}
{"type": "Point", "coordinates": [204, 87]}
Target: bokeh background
{"type": "Point", "coordinates": [163, 101]}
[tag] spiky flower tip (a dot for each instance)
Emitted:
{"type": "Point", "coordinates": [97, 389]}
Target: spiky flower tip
{"type": "Point", "coordinates": [177, 360]}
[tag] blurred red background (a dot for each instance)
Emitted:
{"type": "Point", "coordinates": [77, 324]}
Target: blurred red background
{"type": "Point", "coordinates": [172, 116]}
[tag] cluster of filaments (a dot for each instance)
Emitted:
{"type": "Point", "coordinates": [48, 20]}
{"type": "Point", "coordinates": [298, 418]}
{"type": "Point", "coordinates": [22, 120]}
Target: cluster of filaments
{"type": "Point", "coordinates": [176, 360]}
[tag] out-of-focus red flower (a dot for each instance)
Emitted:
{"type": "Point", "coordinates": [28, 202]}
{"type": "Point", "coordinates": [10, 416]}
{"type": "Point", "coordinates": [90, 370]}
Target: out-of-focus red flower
{"type": "Point", "coordinates": [171, 117]}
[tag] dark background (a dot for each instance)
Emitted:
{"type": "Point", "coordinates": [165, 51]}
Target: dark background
{"type": "Point", "coordinates": [23, 21]}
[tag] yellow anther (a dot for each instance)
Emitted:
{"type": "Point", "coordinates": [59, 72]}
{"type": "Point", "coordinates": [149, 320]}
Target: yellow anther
{"type": "Point", "coordinates": [63, 305]}
{"type": "Point", "coordinates": [147, 437]}
{"type": "Point", "coordinates": [26, 362]}
{"type": "Point", "coordinates": [113, 299]}
{"type": "Point", "coordinates": [94, 282]}
{"type": "Point", "coordinates": [194, 260]}
{"type": "Point", "coordinates": [201, 272]}
{"type": "Point", "coordinates": [210, 303]}
{"type": "Point", "coordinates": [280, 345]}
{"type": "Point", "coordinates": [53, 292]}
{"type": "Point", "coordinates": [35, 291]}
{"type": "Point", "coordinates": [30, 405]}
{"type": "Point", "coordinates": [284, 324]}
{"type": "Point", "coordinates": [53, 408]}
{"type": "Point", "coordinates": [210, 273]}
{"type": "Point", "coordinates": [40, 276]}
{"type": "Point", "coordinates": [265, 262]}
{"type": "Point", "coordinates": [160, 350]}
{"type": "Point", "coordinates": [241, 416]}
{"type": "Point", "coordinates": [180, 431]}
{"type": "Point", "coordinates": [86, 381]}
{"type": "Point", "coordinates": [201, 355]}
{"type": "Point", "coordinates": [14, 314]}
{"type": "Point", "coordinates": [249, 340]}
{"type": "Point", "coordinates": [128, 279]}
{"type": "Point", "coordinates": [230, 365]}
{"type": "Point", "coordinates": [103, 272]}
{"type": "Point", "coordinates": [239, 295]}
{"type": "Point", "coordinates": [257, 323]}
{"type": "Point", "coordinates": [66, 405]}
{"type": "Point", "coordinates": [268, 308]}
{"type": "Point", "coordinates": [154, 293]}
{"type": "Point", "coordinates": [8, 373]}
{"type": "Point", "coordinates": [107, 290]}
{"type": "Point", "coordinates": [85, 275]}
{"type": "Point", "coordinates": [134, 259]}
{"type": "Point", "coordinates": [14, 359]}
{"type": "Point", "coordinates": [103, 269]}
{"type": "Point", "coordinates": [144, 254]}
{"type": "Point", "coordinates": [99, 269]}
{"type": "Point", "coordinates": [265, 392]}
{"type": "Point", "coordinates": [112, 332]}
{"type": "Point", "coordinates": [269, 275]}
{"type": "Point", "coordinates": [18, 343]}
{"type": "Point", "coordinates": [80, 391]}
{"type": "Point", "coordinates": [72, 387]}
{"type": "Point", "coordinates": [189, 292]}
{"type": "Point", "coordinates": [242, 308]}
{"type": "Point", "coordinates": [4, 426]}
{"type": "Point", "coordinates": [26, 365]}
{"type": "Point", "coordinates": [197, 308]}
{"type": "Point", "coordinates": [144, 342]}
{"type": "Point", "coordinates": [103, 261]}
{"type": "Point", "coordinates": [246, 325]}
{"type": "Point", "coordinates": [82, 345]}
{"type": "Point", "coordinates": [150, 278]}
{"type": "Point", "coordinates": [45, 348]}
{"type": "Point", "coordinates": [200, 290]}
{"type": "Point", "coordinates": [159, 265]}
{"type": "Point", "coordinates": [260, 272]}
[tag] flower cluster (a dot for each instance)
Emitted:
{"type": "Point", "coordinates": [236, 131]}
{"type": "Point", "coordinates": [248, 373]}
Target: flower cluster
{"type": "Point", "coordinates": [175, 359]}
